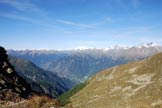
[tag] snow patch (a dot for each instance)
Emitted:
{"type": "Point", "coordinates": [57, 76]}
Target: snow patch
{"type": "Point", "coordinates": [148, 45]}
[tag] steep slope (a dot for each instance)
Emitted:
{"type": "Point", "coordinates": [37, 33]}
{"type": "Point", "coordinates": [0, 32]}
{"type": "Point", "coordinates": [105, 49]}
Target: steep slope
{"type": "Point", "coordinates": [12, 86]}
{"type": "Point", "coordinates": [79, 64]}
{"type": "Point", "coordinates": [32, 102]}
{"type": "Point", "coordinates": [41, 81]}
{"type": "Point", "coordinates": [134, 85]}
{"type": "Point", "coordinates": [16, 92]}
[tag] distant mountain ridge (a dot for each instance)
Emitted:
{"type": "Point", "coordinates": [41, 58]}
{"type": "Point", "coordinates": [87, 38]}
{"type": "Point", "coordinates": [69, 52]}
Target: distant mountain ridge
{"type": "Point", "coordinates": [40, 80]}
{"type": "Point", "coordinates": [78, 64]}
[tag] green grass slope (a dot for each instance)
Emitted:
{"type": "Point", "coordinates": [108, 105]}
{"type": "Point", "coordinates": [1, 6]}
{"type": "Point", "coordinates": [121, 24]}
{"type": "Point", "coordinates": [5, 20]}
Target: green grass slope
{"type": "Point", "coordinates": [65, 98]}
{"type": "Point", "coordinates": [134, 85]}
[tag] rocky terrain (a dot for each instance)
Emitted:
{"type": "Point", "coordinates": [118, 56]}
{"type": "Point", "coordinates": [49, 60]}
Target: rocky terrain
{"type": "Point", "coordinates": [133, 85]}
{"type": "Point", "coordinates": [16, 92]}
{"type": "Point", "coordinates": [12, 86]}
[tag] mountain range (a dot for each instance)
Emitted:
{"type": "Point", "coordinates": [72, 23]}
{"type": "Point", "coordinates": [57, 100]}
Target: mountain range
{"type": "Point", "coordinates": [110, 81]}
{"type": "Point", "coordinates": [41, 81]}
{"type": "Point", "coordinates": [79, 64]}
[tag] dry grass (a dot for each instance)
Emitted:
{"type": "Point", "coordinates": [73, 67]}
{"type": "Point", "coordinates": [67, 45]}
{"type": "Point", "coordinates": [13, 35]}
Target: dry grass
{"type": "Point", "coordinates": [42, 102]}
{"type": "Point", "coordinates": [33, 102]}
{"type": "Point", "coordinates": [119, 88]}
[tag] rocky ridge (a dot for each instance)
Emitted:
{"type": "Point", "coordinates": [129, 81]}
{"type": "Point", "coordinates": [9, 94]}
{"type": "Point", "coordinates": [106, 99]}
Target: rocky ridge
{"type": "Point", "coordinates": [15, 92]}
{"type": "Point", "coordinates": [12, 86]}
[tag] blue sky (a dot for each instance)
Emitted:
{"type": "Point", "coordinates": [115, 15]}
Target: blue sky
{"type": "Point", "coordinates": [64, 24]}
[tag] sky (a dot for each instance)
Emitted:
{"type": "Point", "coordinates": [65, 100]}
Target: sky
{"type": "Point", "coordinates": [66, 24]}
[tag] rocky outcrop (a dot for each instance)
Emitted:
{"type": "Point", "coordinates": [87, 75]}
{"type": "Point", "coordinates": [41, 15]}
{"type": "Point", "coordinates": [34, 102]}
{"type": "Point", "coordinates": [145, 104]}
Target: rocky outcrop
{"type": "Point", "coordinates": [12, 86]}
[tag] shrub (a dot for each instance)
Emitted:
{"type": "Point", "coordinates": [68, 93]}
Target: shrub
{"type": "Point", "coordinates": [65, 98]}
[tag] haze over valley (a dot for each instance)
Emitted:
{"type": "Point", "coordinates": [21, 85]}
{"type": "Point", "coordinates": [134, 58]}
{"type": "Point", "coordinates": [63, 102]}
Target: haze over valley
{"type": "Point", "coordinates": [79, 64]}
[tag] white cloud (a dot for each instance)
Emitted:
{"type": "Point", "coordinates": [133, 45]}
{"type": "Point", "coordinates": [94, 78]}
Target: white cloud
{"type": "Point", "coordinates": [24, 5]}
{"type": "Point", "coordinates": [66, 22]}
{"type": "Point", "coordinates": [14, 16]}
{"type": "Point", "coordinates": [75, 24]}
{"type": "Point", "coordinates": [105, 20]}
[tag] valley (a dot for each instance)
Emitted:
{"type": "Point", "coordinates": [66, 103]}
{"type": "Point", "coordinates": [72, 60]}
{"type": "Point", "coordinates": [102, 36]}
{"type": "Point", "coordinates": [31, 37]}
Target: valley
{"type": "Point", "coordinates": [77, 65]}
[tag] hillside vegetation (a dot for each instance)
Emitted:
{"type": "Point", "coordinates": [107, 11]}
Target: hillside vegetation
{"type": "Point", "coordinates": [65, 98]}
{"type": "Point", "coordinates": [134, 85]}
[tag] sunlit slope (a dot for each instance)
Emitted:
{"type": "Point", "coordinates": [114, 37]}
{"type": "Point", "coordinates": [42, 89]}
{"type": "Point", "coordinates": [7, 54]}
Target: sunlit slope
{"type": "Point", "coordinates": [134, 85]}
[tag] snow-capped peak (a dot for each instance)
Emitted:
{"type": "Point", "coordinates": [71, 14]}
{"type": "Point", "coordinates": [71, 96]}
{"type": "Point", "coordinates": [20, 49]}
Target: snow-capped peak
{"type": "Point", "coordinates": [117, 47]}
{"type": "Point", "coordinates": [148, 45]}
{"type": "Point", "coordinates": [82, 48]}
{"type": "Point", "coordinates": [120, 47]}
